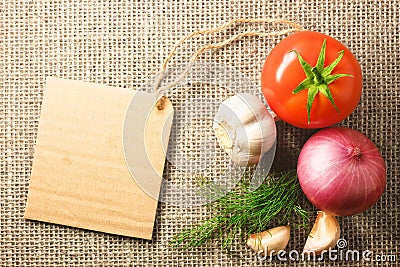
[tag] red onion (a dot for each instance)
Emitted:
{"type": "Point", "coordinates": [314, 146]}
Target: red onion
{"type": "Point", "coordinates": [341, 171]}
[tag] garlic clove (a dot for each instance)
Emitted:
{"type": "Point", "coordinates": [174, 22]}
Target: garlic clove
{"type": "Point", "coordinates": [228, 116]}
{"type": "Point", "coordinates": [242, 158]}
{"type": "Point", "coordinates": [244, 128]}
{"type": "Point", "coordinates": [257, 137]}
{"type": "Point", "coordinates": [270, 242]}
{"type": "Point", "coordinates": [251, 143]}
{"type": "Point", "coordinates": [324, 234]}
{"type": "Point", "coordinates": [243, 108]}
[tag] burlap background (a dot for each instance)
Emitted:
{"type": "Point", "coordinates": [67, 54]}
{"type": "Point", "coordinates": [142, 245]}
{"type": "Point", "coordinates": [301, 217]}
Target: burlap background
{"type": "Point", "coordinates": [122, 43]}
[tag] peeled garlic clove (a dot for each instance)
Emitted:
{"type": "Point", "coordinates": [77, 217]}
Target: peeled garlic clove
{"type": "Point", "coordinates": [244, 128]}
{"type": "Point", "coordinates": [324, 234]}
{"type": "Point", "coordinates": [270, 242]}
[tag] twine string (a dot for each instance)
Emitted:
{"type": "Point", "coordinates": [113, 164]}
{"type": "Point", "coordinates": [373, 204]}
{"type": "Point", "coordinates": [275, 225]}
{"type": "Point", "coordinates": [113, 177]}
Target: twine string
{"type": "Point", "coordinates": [158, 89]}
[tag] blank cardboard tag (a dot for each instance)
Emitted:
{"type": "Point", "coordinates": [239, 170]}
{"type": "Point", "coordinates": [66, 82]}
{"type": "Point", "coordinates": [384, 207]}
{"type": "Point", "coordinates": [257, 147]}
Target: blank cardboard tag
{"type": "Point", "coordinates": [80, 176]}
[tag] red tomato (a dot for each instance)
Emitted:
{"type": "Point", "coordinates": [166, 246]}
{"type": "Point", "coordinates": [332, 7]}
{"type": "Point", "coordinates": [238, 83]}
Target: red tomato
{"type": "Point", "coordinates": [325, 97]}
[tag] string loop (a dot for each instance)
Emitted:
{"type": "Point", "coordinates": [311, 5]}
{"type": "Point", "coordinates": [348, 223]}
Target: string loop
{"type": "Point", "coordinates": [294, 28]}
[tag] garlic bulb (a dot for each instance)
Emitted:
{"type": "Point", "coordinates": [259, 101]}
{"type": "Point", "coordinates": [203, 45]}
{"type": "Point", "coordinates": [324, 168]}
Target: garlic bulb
{"type": "Point", "coordinates": [324, 234]}
{"type": "Point", "coordinates": [270, 242]}
{"type": "Point", "coordinates": [244, 128]}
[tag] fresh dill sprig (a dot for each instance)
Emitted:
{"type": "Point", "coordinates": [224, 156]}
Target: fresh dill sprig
{"type": "Point", "coordinates": [245, 212]}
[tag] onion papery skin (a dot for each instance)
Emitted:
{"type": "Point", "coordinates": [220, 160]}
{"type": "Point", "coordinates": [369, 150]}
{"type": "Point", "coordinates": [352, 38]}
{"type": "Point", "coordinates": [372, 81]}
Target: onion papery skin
{"type": "Point", "coordinates": [341, 171]}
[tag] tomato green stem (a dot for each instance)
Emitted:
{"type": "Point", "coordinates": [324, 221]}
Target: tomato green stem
{"type": "Point", "coordinates": [318, 78]}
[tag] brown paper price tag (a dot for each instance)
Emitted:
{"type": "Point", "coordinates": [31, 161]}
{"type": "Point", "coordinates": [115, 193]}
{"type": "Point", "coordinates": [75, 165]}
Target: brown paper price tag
{"type": "Point", "coordinates": [80, 176]}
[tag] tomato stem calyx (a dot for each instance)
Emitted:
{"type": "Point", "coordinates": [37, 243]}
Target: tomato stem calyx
{"type": "Point", "coordinates": [318, 78]}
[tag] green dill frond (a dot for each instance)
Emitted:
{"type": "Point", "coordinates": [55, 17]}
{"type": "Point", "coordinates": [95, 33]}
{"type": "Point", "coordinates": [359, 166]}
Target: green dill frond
{"type": "Point", "coordinates": [244, 212]}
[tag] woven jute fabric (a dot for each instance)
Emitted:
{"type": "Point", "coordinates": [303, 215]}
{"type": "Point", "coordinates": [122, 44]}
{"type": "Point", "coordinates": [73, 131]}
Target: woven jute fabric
{"type": "Point", "coordinates": [123, 43]}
